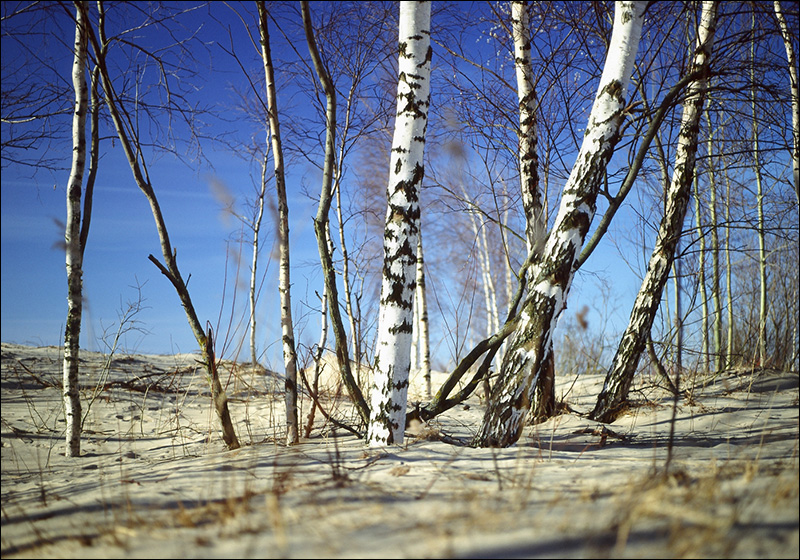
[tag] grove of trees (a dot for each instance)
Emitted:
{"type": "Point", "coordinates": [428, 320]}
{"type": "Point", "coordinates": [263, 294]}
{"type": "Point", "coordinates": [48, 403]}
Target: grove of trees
{"type": "Point", "coordinates": [506, 141]}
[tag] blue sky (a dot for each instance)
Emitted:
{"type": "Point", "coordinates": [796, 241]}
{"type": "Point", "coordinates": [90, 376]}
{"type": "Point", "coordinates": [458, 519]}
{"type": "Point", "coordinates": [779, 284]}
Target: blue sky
{"type": "Point", "coordinates": [123, 234]}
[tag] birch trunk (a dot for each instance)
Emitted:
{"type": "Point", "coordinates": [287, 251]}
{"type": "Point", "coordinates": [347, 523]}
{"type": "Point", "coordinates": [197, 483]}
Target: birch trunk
{"type": "Point", "coordinates": [528, 139]}
{"type": "Point", "coordinates": [321, 222]}
{"type": "Point", "coordinates": [284, 277]}
{"type": "Point", "coordinates": [133, 153]}
{"type": "Point", "coordinates": [544, 397]}
{"type": "Point", "coordinates": [791, 58]}
{"type": "Point", "coordinates": [390, 382]}
{"type": "Point", "coordinates": [254, 260]}
{"type": "Point", "coordinates": [530, 348]}
{"type": "Point", "coordinates": [72, 239]}
{"type": "Point", "coordinates": [422, 307]}
{"type": "Point", "coordinates": [612, 398]}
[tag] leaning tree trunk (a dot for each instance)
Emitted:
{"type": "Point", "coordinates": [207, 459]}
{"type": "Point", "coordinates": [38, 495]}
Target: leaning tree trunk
{"type": "Point", "coordinates": [543, 401]}
{"type": "Point", "coordinates": [284, 282]}
{"type": "Point", "coordinates": [72, 239]}
{"type": "Point", "coordinates": [169, 269]}
{"type": "Point", "coordinates": [393, 352]}
{"type": "Point", "coordinates": [619, 378]}
{"type": "Point", "coordinates": [794, 88]}
{"type": "Point", "coordinates": [551, 277]}
{"type": "Point", "coordinates": [321, 222]}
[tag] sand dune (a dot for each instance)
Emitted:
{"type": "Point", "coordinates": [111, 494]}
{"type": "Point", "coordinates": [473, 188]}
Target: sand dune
{"type": "Point", "coordinates": [156, 481]}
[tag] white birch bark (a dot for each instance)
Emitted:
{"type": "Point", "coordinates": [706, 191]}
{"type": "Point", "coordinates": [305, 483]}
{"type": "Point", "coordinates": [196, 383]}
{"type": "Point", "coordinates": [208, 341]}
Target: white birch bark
{"type": "Point", "coordinates": [528, 139]}
{"type": "Point", "coordinates": [530, 347]}
{"type": "Point", "coordinates": [72, 239]}
{"type": "Point", "coordinates": [284, 276]}
{"type": "Point", "coordinates": [620, 376]}
{"type": "Point", "coordinates": [422, 308]}
{"type": "Point", "coordinates": [390, 383]}
{"type": "Point", "coordinates": [791, 58]}
{"type": "Point", "coordinates": [254, 260]}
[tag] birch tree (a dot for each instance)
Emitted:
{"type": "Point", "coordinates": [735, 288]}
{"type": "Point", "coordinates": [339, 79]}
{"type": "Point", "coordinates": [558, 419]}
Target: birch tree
{"type": "Point", "coordinates": [794, 88]}
{"type": "Point", "coordinates": [551, 276]}
{"type": "Point", "coordinates": [72, 238]}
{"type": "Point", "coordinates": [543, 401]}
{"type": "Point", "coordinates": [532, 200]}
{"type": "Point", "coordinates": [421, 305]}
{"type": "Point", "coordinates": [391, 373]}
{"type": "Point", "coordinates": [284, 280]}
{"type": "Point", "coordinates": [620, 375]}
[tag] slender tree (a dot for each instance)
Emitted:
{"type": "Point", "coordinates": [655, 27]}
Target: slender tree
{"type": "Point", "coordinates": [321, 221]}
{"type": "Point", "coordinates": [551, 277]}
{"type": "Point", "coordinates": [421, 304]}
{"type": "Point", "coordinates": [620, 375]}
{"type": "Point", "coordinates": [390, 383]}
{"type": "Point", "coordinates": [794, 88]}
{"type": "Point", "coordinates": [705, 356]}
{"type": "Point", "coordinates": [762, 241]}
{"type": "Point", "coordinates": [72, 238]}
{"type": "Point", "coordinates": [716, 296]}
{"type": "Point", "coordinates": [253, 288]}
{"type": "Point", "coordinates": [284, 282]}
{"type": "Point", "coordinates": [132, 147]}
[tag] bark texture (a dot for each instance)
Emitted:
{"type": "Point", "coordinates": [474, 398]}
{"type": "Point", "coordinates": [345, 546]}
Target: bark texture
{"type": "Point", "coordinates": [72, 239]}
{"type": "Point", "coordinates": [393, 353]}
{"type": "Point", "coordinates": [528, 138]}
{"type": "Point", "coordinates": [619, 378]}
{"type": "Point", "coordinates": [284, 277]}
{"type": "Point", "coordinates": [530, 347]}
{"type": "Point", "coordinates": [794, 88]}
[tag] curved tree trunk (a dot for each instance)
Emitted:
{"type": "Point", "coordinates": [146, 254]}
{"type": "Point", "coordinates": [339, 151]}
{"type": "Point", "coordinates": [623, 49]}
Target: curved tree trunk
{"type": "Point", "coordinates": [619, 378]}
{"type": "Point", "coordinates": [390, 383]}
{"type": "Point", "coordinates": [170, 267]}
{"type": "Point", "coordinates": [530, 348]}
{"type": "Point", "coordinates": [321, 222]}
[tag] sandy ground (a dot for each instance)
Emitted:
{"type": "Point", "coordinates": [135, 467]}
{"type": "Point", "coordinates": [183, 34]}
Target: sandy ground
{"type": "Point", "coordinates": [155, 480]}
